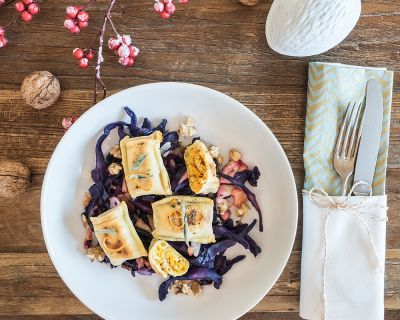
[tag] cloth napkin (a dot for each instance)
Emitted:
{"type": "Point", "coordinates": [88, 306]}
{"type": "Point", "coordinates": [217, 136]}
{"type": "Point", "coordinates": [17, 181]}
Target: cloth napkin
{"type": "Point", "coordinates": [330, 88]}
{"type": "Point", "coordinates": [343, 253]}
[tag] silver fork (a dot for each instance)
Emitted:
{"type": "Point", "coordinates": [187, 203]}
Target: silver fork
{"type": "Point", "coordinates": [347, 143]}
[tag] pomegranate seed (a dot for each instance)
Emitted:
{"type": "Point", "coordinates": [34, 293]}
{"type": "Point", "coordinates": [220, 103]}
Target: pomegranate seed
{"type": "Point", "coordinates": [83, 24]}
{"type": "Point", "coordinates": [183, 1]}
{"type": "Point", "coordinates": [66, 123]}
{"type": "Point", "coordinates": [69, 24]}
{"type": "Point", "coordinates": [83, 63]}
{"type": "Point", "coordinates": [75, 30]}
{"type": "Point", "coordinates": [33, 9]}
{"type": "Point", "coordinates": [126, 39]}
{"type": "Point", "coordinates": [90, 55]}
{"type": "Point", "coordinates": [170, 8]}
{"type": "Point", "coordinates": [3, 41]}
{"type": "Point", "coordinates": [72, 11]}
{"type": "Point", "coordinates": [131, 62]}
{"type": "Point", "coordinates": [165, 15]}
{"type": "Point", "coordinates": [19, 6]}
{"type": "Point", "coordinates": [83, 16]}
{"type": "Point", "coordinates": [78, 53]}
{"type": "Point", "coordinates": [133, 51]}
{"type": "Point", "coordinates": [158, 7]}
{"type": "Point", "coordinates": [123, 51]}
{"type": "Point", "coordinates": [2, 31]}
{"type": "Point", "coordinates": [166, 1]}
{"type": "Point", "coordinates": [113, 43]}
{"type": "Point", "coordinates": [26, 16]}
{"type": "Point", "coordinates": [27, 1]}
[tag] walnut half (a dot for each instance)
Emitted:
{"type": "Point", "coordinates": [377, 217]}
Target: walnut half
{"type": "Point", "coordinates": [188, 287]}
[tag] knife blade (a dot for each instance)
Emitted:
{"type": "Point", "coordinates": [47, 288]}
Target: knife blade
{"type": "Point", "coordinates": [370, 138]}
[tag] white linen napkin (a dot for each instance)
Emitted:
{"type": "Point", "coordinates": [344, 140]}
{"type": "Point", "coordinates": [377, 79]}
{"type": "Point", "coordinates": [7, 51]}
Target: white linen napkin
{"type": "Point", "coordinates": [339, 279]}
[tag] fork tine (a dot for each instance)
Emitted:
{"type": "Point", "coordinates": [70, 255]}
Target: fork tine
{"type": "Point", "coordinates": [356, 131]}
{"type": "Point", "coordinates": [348, 130]}
{"type": "Point", "coordinates": [339, 140]}
{"type": "Point", "coordinates": [359, 134]}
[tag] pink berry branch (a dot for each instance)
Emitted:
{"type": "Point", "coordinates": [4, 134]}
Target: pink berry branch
{"type": "Point", "coordinates": [26, 9]}
{"type": "Point", "coordinates": [78, 18]}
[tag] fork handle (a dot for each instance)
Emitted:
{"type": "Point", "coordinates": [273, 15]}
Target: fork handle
{"type": "Point", "coordinates": [344, 185]}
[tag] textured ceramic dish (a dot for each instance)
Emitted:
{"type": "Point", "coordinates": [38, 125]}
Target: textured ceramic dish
{"type": "Point", "coordinates": [113, 293]}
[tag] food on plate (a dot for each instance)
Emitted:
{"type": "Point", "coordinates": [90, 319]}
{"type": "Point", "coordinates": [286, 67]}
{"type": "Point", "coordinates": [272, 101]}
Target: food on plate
{"type": "Point", "coordinates": [159, 205]}
{"type": "Point", "coordinates": [201, 169]}
{"type": "Point", "coordinates": [144, 169]}
{"type": "Point", "coordinates": [117, 236]}
{"type": "Point", "coordinates": [184, 218]}
{"type": "Point", "coordinates": [165, 260]}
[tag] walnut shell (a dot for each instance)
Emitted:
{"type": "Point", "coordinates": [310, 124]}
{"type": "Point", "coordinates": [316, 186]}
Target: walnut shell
{"type": "Point", "coordinates": [249, 2]}
{"type": "Point", "coordinates": [15, 178]}
{"type": "Point", "coordinates": [40, 89]}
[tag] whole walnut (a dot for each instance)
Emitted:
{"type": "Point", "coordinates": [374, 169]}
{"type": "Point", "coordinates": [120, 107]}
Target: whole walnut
{"type": "Point", "coordinates": [40, 89]}
{"type": "Point", "coordinates": [249, 2]}
{"type": "Point", "coordinates": [15, 178]}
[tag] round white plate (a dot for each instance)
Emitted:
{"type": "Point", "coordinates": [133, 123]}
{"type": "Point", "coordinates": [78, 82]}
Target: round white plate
{"type": "Point", "coordinates": [220, 120]}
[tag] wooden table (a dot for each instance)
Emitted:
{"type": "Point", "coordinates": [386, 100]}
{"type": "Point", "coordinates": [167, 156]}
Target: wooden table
{"type": "Point", "coordinates": [218, 44]}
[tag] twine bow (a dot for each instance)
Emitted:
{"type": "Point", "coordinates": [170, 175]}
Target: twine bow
{"type": "Point", "coordinates": [322, 199]}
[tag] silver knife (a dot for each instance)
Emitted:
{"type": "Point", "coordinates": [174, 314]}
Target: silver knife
{"type": "Point", "coordinates": [370, 138]}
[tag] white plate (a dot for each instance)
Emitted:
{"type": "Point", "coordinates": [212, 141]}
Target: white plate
{"type": "Point", "coordinates": [220, 120]}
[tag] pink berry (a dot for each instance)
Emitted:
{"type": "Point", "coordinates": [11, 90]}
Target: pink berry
{"type": "Point", "coordinates": [75, 30]}
{"type": "Point", "coordinates": [90, 55]}
{"type": "Point", "coordinates": [83, 16]}
{"type": "Point", "coordinates": [27, 1]}
{"type": "Point", "coordinates": [83, 63]}
{"type": "Point", "coordinates": [183, 1]}
{"type": "Point", "coordinates": [3, 41]}
{"type": "Point", "coordinates": [69, 24]}
{"type": "Point", "coordinates": [126, 39]}
{"type": "Point", "coordinates": [123, 51]}
{"type": "Point", "coordinates": [133, 51]}
{"type": "Point", "coordinates": [26, 16]}
{"type": "Point", "coordinates": [165, 15]}
{"type": "Point", "coordinates": [33, 9]}
{"type": "Point", "coordinates": [66, 123]}
{"type": "Point", "coordinates": [2, 31]}
{"type": "Point", "coordinates": [170, 8]}
{"type": "Point", "coordinates": [131, 62]}
{"type": "Point", "coordinates": [124, 61]}
{"type": "Point", "coordinates": [158, 7]}
{"type": "Point", "coordinates": [72, 11]}
{"type": "Point", "coordinates": [83, 24]}
{"type": "Point", "coordinates": [113, 43]}
{"type": "Point", "coordinates": [19, 6]}
{"type": "Point", "coordinates": [78, 53]}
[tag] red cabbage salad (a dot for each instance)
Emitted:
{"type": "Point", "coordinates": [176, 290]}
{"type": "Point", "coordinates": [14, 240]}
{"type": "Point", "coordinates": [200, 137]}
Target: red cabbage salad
{"type": "Point", "coordinates": [125, 228]}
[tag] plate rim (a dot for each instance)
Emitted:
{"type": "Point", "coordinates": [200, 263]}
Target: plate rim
{"type": "Point", "coordinates": [253, 117]}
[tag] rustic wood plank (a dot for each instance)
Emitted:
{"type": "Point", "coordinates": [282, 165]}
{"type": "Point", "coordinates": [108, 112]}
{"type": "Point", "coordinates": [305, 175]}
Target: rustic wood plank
{"type": "Point", "coordinates": [220, 44]}
{"type": "Point", "coordinates": [29, 285]}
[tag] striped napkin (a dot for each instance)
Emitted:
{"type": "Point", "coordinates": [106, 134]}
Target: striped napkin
{"type": "Point", "coordinates": [344, 239]}
{"type": "Point", "coordinates": [330, 88]}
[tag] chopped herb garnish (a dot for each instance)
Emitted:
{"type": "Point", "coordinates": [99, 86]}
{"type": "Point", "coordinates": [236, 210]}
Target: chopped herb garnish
{"type": "Point", "coordinates": [107, 231]}
{"type": "Point", "coordinates": [139, 162]}
{"type": "Point", "coordinates": [185, 224]}
{"type": "Point", "coordinates": [138, 176]}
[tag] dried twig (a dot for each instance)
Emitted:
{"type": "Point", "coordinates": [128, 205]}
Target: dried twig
{"type": "Point", "coordinates": [100, 58]}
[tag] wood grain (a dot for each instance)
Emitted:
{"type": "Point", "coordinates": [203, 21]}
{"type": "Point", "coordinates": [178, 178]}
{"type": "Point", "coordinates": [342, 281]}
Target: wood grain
{"type": "Point", "coordinates": [219, 44]}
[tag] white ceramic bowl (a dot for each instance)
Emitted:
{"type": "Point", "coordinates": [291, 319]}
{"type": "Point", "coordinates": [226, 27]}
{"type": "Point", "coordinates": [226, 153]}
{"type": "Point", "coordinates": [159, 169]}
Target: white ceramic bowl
{"type": "Point", "coordinates": [220, 120]}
